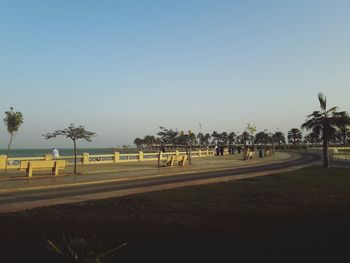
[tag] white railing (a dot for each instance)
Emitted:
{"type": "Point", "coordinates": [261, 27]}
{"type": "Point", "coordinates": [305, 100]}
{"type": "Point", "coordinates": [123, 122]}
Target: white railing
{"type": "Point", "coordinates": [340, 154]}
{"type": "Point", "coordinates": [86, 158]}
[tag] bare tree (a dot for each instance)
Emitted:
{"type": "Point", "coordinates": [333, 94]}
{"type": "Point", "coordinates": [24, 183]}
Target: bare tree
{"type": "Point", "coordinates": [73, 133]}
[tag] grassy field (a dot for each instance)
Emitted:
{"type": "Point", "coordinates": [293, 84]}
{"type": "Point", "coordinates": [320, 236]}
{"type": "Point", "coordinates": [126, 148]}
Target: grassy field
{"type": "Point", "coordinates": [301, 216]}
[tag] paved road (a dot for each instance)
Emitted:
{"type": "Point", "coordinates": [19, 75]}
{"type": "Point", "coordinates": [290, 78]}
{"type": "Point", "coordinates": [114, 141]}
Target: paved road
{"type": "Point", "coordinates": [8, 200]}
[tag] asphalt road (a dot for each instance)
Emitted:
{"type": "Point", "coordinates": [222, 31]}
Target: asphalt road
{"type": "Point", "coordinates": [11, 198]}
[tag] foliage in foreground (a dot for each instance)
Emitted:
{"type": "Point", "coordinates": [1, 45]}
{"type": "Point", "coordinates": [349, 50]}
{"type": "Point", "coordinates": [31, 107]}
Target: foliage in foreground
{"type": "Point", "coordinates": [306, 209]}
{"type": "Point", "coordinates": [71, 249]}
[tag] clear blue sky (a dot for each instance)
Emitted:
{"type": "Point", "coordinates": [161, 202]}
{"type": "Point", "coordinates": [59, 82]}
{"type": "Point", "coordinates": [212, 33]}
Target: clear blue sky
{"type": "Point", "coordinates": [124, 68]}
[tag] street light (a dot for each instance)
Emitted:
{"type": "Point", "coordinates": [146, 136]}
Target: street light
{"type": "Point", "coordinates": [273, 144]}
{"type": "Point", "coordinates": [189, 151]}
{"type": "Point", "coordinates": [189, 144]}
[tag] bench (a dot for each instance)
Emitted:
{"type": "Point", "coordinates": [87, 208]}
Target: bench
{"type": "Point", "coordinates": [180, 159]}
{"type": "Point", "coordinates": [268, 153]}
{"type": "Point", "coordinates": [248, 155]}
{"type": "Point", "coordinates": [54, 165]}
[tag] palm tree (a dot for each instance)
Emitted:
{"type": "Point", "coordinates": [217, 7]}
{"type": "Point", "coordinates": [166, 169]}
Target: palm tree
{"type": "Point", "coordinates": [245, 137]}
{"type": "Point", "coordinates": [215, 136]}
{"type": "Point", "coordinates": [252, 129]}
{"type": "Point", "coordinates": [206, 138]}
{"type": "Point", "coordinates": [223, 138]}
{"type": "Point", "coordinates": [231, 138]}
{"type": "Point", "coordinates": [182, 139]}
{"type": "Point", "coordinates": [192, 138]}
{"type": "Point", "coordinates": [278, 137]}
{"type": "Point", "coordinates": [325, 123]}
{"type": "Point", "coordinates": [200, 137]}
{"type": "Point", "coordinates": [138, 142]}
{"type": "Point", "coordinates": [336, 138]}
{"type": "Point", "coordinates": [295, 136]}
{"type": "Point", "coordinates": [312, 138]}
{"type": "Point", "coordinates": [345, 134]}
{"type": "Point", "coordinates": [13, 121]}
{"type": "Point", "coordinates": [261, 137]}
{"type": "Point", "coordinates": [149, 140]}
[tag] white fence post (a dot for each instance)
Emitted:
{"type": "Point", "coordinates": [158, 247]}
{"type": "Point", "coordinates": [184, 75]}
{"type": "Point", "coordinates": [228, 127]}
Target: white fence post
{"type": "Point", "coordinates": [116, 157]}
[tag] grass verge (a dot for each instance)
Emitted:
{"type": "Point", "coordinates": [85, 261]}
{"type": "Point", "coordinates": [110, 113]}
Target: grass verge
{"type": "Point", "coordinates": [302, 215]}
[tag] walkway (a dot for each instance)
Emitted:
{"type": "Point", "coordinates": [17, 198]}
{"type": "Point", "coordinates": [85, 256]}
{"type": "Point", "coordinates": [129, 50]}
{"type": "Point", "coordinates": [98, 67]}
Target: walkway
{"type": "Point", "coordinates": [127, 171]}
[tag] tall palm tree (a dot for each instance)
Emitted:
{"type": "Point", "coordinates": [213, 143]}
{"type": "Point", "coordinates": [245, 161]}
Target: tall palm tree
{"type": "Point", "coordinates": [13, 121]}
{"type": "Point", "coordinates": [325, 123]}
{"type": "Point", "coordinates": [295, 136]}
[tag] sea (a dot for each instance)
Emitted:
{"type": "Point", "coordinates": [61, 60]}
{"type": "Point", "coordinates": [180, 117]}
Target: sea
{"type": "Point", "coordinates": [63, 151]}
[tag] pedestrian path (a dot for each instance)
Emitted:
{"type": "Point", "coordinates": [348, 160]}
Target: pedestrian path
{"type": "Point", "coordinates": [129, 171]}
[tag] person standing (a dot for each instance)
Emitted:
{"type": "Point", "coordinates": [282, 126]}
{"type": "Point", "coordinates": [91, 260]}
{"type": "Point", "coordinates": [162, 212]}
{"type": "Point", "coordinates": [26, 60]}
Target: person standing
{"type": "Point", "coordinates": [55, 153]}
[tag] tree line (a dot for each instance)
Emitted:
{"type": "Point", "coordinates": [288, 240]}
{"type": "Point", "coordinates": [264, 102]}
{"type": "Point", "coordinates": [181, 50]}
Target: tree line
{"type": "Point", "coordinates": [294, 136]}
{"type": "Point", "coordinates": [325, 126]}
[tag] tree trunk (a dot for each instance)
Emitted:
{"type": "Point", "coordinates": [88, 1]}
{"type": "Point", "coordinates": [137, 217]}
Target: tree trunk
{"type": "Point", "coordinates": [325, 152]}
{"type": "Point", "coordinates": [7, 153]}
{"type": "Point", "coordinates": [75, 156]}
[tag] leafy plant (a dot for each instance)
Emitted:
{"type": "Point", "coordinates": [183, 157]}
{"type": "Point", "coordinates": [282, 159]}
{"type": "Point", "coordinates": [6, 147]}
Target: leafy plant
{"type": "Point", "coordinates": [78, 250]}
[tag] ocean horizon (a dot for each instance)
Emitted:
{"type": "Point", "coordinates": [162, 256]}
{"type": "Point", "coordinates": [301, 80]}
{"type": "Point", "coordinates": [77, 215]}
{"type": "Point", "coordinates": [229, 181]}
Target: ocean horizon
{"type": "Point", "coordinates": [38, 152]}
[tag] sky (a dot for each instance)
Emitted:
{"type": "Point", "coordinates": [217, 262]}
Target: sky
{"type": "Point", "coordinates": [124, 68]}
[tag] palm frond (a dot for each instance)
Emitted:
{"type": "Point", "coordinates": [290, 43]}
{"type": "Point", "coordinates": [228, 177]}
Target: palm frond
{"type": "Point", "coordinates": [333, 109]}
{"type": "Point", "coordinates": [110, 252]}
{"type": "Point", "coordinates": [323, 101]}
{"type": "Point", "coordinates": [314, 114]}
